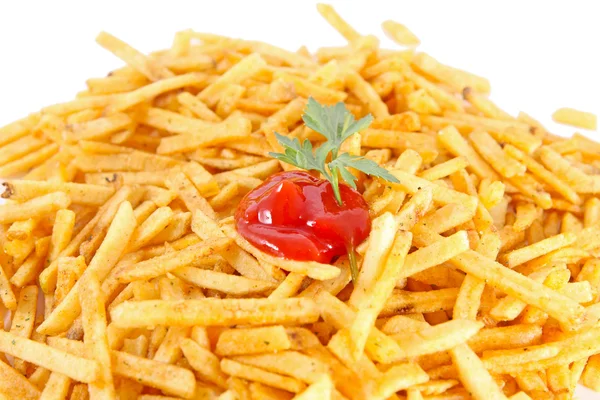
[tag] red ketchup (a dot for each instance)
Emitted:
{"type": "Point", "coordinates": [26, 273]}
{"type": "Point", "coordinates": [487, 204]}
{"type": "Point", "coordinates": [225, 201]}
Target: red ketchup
{"type": "Point", "coordinates": [295, 215]}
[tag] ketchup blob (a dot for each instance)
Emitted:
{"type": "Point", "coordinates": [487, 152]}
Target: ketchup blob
{"type": "Point", "coordinates": [295, 215]}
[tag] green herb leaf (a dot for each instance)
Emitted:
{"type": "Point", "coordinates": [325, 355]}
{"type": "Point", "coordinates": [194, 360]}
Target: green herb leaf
{"type": "Point", "coordinates": [362, 164]}
{"type": "Point", "coordinates": [336, 123]}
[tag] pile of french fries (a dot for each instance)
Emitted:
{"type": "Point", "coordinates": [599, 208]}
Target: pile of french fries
{"type": "Point", "coordinates": [122, 275]}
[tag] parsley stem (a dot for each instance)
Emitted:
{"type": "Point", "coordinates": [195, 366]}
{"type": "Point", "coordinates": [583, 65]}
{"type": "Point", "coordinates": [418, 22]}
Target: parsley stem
{"type": "Point", "coordinates": [336, 186]}
{"type": "Point", "coordinates": [353, 264]}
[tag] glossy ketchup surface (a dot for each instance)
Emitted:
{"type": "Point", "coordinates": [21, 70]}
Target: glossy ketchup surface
{"type": "Point", "coordinates": [295, 215]}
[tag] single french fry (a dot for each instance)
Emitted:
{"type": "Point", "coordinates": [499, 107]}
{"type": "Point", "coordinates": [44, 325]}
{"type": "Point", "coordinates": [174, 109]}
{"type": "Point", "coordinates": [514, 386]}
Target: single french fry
{"type": "Point", "coordinates": [196, 312]}
{"type": "Point", "coordinates": [570, 116]}
{"type": "Point", "coordinates": [45, 356]}
{"type": "Point", "coordinates": [400, 33]}
{"type": "Point", "coordinates": [34, 208]}
{"type": "Point", "coordinates": [380, 243]}
{"type": "Point", "coordinates": [410, 302]}
{"type": "Point", "coordinates": [334, 19]}
{"type": "Point", "coordinates": [6, 292]}
{"type": "Point", "coordinates": [252, 340]}
{"type": "Point", "coordinates": [62, 232]}
{"type": "Point", "coordinates": [133, 57]}
{"type": "Point", "coordinates": [226, 283]}
{"type": "Point", "coordinates": [435, 254]}
{"type": "Point", "coordinates": [535, 250]}
{"type": "Point", "coordinates": [24, 318]}
{"type": "Point", "coordinates": [321, 389]}
{"type": "Point", "coordinates": [124, 101]}
{"type": "Point", "coordinates": [473, 374]}
{"type": "Point", "coordinates": [295, 364]}
{"type": "Point", "coordinates": [168, 262]}
{"type": "Point", "coordinates": [234, 368]}
{"type": "Point", "coordinates": [245, 69]}
{"type": "Point", "coordinates": [56, 388]}
{"type": "Point", "coordinates": [95, 337]}
{"type": "Point", "coordinates": [190, 136]}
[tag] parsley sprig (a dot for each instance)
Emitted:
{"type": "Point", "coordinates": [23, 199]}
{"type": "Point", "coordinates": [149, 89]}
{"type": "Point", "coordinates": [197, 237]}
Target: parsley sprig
{"type": "Point", "coordinates": [336, 123]}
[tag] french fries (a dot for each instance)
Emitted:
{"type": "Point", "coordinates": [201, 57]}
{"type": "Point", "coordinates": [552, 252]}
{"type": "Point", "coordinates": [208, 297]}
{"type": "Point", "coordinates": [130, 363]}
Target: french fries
{"type": "Point", "coordinates": [480, 277]}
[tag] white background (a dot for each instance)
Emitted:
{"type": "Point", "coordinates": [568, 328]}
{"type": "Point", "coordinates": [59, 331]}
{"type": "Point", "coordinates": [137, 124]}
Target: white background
{"type": "Point", "coordinates": [539, 55]}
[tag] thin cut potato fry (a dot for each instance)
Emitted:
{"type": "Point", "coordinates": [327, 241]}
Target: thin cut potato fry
{"type": "Point", "coordinates": [34, 208]}
{"type": "Point", "coordinates": [234, 368]}
{"type": "Point", "coordinates": [570, 116]}
{"type": "Point", "coordinates": [252, 340]}
{"type": "Point", "coordinates": [95, 338]}
{"type": "Point", "coordinates": [90, 195]}
{"type": "Point", "coordinates": [133, 57]}
{"type": "Point", "coordinates": [204, 312]}
{"type": "Point", "coordinates": [170, 261]}
{"type": "Point", "coordinates": [233, 128]}
{"type": "Point", "coordinates": [321, 389]}
{"type": "Point", "coordinates": [77, 368]}
{"type": "Point", "coordinates": [535, 250]}
{"type": "Point", "coordinates": [478, 276]}
{"type": "Point", "coordinates": [337, 22]}
{"type": "Point", "coordinates": [474, 375]}
{"type": "Point", "coordinates": [400, 33]}
{"type": "Point", "coordinates": [126, 100]}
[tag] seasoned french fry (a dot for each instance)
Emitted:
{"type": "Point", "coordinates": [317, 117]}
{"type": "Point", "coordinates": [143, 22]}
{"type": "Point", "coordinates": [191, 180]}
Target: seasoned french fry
{"type": "Point", "coordinates": [195, 312]}
{"type": "Point", "coordinates": [473, 374]}
{"type": "Point", "coordinates": [191, 137]}
{"type": "Point", "coordinates": [400, 33]}
{"type": "Point", "coordinates": [34, 208]}
{"type": "Point", "coordinates": [95, 338]}
{"type": "Point", "coordinates": [234, 368]}
{"type": "Point", "coordinates": [333, 18]}
{"type": "Point", "coordinates": [255, 340]}
{"type": "Point", "coordinates": [133, 57]}
{"type": "Point", "coordinates": [535, 250]}
{"type": "Point", "coordinates": [321, 389]}
{"type": "Point", "coordinates": [74, 367]}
